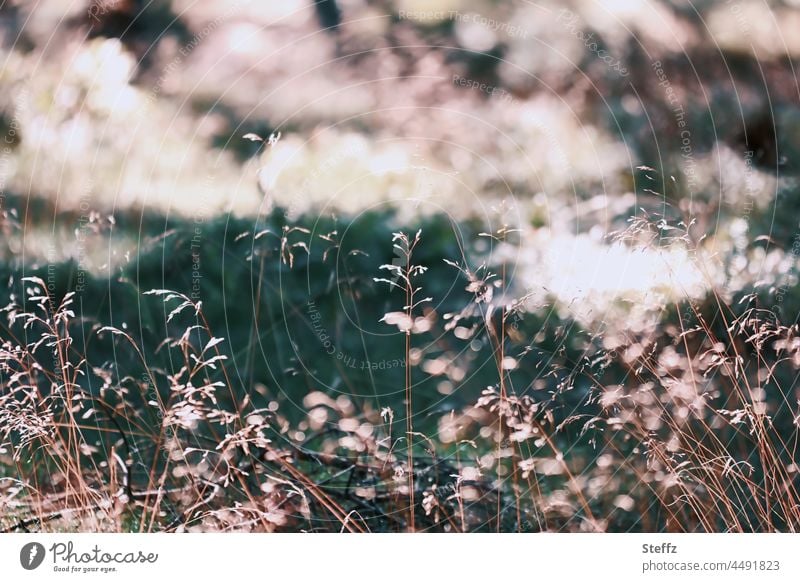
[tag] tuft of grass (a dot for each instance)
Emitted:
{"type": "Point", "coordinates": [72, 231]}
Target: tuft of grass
{"type": "Point", "coordinates": [512, 422]}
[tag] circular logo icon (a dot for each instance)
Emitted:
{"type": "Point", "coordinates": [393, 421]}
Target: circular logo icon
{"type": "Point", "coordinates": [31, 555]}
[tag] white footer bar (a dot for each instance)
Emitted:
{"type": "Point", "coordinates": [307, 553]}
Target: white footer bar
{"type": "Point", "coordinates": [401, 557]}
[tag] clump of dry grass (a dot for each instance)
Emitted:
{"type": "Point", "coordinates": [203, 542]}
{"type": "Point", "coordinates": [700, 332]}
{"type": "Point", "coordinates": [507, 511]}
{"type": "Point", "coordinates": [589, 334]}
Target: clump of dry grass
{"type": "Point", "coordinates": [688, 427]}
{"type": "Point", "coordinates": [404, 275]}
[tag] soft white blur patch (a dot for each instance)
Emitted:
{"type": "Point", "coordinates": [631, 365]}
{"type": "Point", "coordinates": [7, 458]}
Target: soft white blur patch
{"type": "Point", "coordinates": [593, 281]}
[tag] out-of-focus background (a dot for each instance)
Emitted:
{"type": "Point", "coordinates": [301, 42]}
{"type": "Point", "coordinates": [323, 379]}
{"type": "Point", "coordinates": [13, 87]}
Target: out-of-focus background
{"type": "Point", "coordinates": [429, 107]}
{"type": "Point", "coordinates": [606, 170]}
